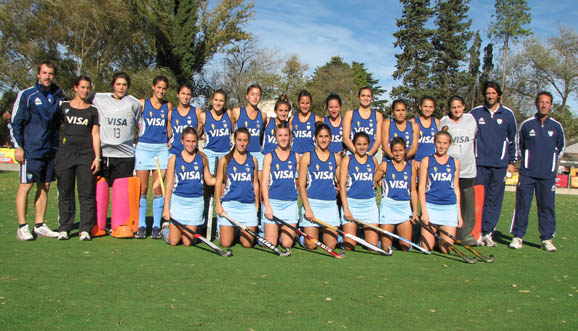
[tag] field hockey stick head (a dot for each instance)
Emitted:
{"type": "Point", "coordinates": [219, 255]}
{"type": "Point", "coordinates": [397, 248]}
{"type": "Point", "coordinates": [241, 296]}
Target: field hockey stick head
{"type": "Point", "coordinates": [226, 253]}
{"type": "Point", "coordinates": [286, 253]}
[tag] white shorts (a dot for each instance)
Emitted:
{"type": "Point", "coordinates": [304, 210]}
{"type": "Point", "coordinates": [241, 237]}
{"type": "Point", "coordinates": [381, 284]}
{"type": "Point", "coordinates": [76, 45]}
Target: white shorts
{"type": "Point", "coordinates": [213, 159]}
{"type": "Point", "coordinates": [325, 210]}
{"type": "Point", "coordinates": [145, 154]}
{"type": "Point", "coordinates": [442, 214]}
{"type": "Point", "coordinates": [288, 211]}
{"type": "Point", "coordinates": [244, 213]}
{"type": "Point", "coordinates": [394, 211]}
{"type": "Point", "coordinates": [363, 209]}
{"type": "Point", "coordinates": [188, 211]}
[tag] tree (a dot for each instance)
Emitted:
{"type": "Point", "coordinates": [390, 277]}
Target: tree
{"type": "Point", "coordinates": [362, 77]}
{"type": "Point", "coordinates": [487, 69]}
{"type": "Point", "coordinates": [510, 18]}
{"type": "Point", "coordinates": [293, 77]}
{"type": "Point", "coordinates": [413, 64]}
{"type": "Point", "coordinates": [449, 41]}
{"type": "Point", "coordinates": [474, 69]}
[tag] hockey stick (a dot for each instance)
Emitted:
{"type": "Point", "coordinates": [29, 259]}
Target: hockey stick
{"type": "Point", "coordinates": [468, 247]}
{"type": "Point", "coordinates": [355, 238]}
{"type": "Point", "coordinates": [210, 207]}
{"type": "Point", "coordinates": [262, 240]}
{"type": "Point", "coordinates": [308, 237]}
{"type": "Point", "coordinates": [371, 226]}
{"type": "Point", "coordinates": [446, 243]}
{"type": "Point", "coordinates": [218, 250]}
{"type": "Point", "coordinates": [160, 175]}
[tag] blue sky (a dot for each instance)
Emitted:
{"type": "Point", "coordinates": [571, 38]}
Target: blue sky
{"type": "Point", "coordinates": [362, 30]}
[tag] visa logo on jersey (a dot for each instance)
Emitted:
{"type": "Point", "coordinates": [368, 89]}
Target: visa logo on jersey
{"type": "Point", "coordinates": [363, 176]}
{"type": "Point", "coordinates": [179, 128]}
{"type": "Point", "coordinates": [399, 184]}
{"type": "Point", "coordinates": [322, 175]}
{"type": "Point", "coordinates": [116, 121]}
{"type": "Point", "coordinates": [77, 120]}
{"type": "Point", "coordinates": [369, 131]}
{"type": "Point", "coordinates": [426, 140]}
{"type": "Point", "coordinates": [190, 175]}
{"type": "Point", "coordinates": [219, 132]}
{"type": "Point", "coordinates": [337, 138]}
{"type": "Point", "coordinates": [254, 132]}
{"type": "Point", "coordinates": [283, 174]}
{"type": "Point", "coordinates": [442, 176]}
{"type": "Point", "coordinates": [302, 134]}
{"type": "Point", "coordinates": [155, 121]}
{"type": "Point", "coordinates": [271, 140]}
{"type": "Point", "coordinates": [460, 139]}
{"type": "Point", "coordinates": [241, 177]}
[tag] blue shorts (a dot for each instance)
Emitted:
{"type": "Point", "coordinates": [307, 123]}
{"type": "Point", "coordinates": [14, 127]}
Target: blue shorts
{"type": "Point", "coordinates": [363, 209]}
{"type": "Point", "coordinates": [285, 210]}
{"type": "Point", "coordinates": [244, 213]}
{"type": "Point", "coordinates": [213, 159]}
{"type": "Point", "coordinates": [37, 171]}
{"type": "Point", "coordinates": [325, 210]}
{"type": "Point", "coordinates": [145, 154]}
{"type": "Point", "coordinates": [260, 157]}
{"type": "Point", "coordinates": [442, 214]}
{"type": "Point", "coordinates": [394, 211]}
{"type": "Point", "coordinates": [188, 211]}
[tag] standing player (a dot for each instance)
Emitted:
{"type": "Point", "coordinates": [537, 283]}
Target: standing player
{"type": "Point", "coordinates": [182, 116]}
{"type": "Point", "coordinates": [495, 155]}
{"type": "Point", "coordinates": [253, 119]}
{"type": "Point", "coordinates": [303, 124]}
{"type": "Point", "coordinates": [279, 189]}
{"type": "Point", "coordinates": [153, 145]}
{"type": "Point", "coordinates": [78, 160]}
{"type": "Point", "coordinates": [439, 191]}
{"type": "Point", "coordinates": [399, 126]}
{"type": "Point", "coordinates": [282, 110]}
{"type": "Point", "coordinates": [237, 190]}
{"type": "Point", "coordinates": [34, 132]}
{"type": "Point", "coordinates": [187, 172]}
{"type": "Point", "coordinates": [428, 127]}
{"type": "Point", "coordinates": [357, 190]}
{"type": "Point", "coordinates": [463, 129]}
{"type": "Point", "coordinates": [335, 122]}
{"type": "Point", "coordinates": [317, 188]}
{"type": "Point", "coordinates": [399, 194]}
{"type": "Point", "coordinates": [119, 115]}
{"type": "Point", "coordinates": [541, 142]}
{"type": "Point", "coordinates": [363, 119]}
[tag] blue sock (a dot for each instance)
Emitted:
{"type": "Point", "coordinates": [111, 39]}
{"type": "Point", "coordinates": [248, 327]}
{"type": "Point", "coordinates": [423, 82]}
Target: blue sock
{"type": "Point", "coordinates": [158, 205]}
{"type": "Point", "coordinates": [302, 241]}
{"type": "Point", "coordinates": [165, 235]}
{"type": "Point", "coordinates": [142, 212]}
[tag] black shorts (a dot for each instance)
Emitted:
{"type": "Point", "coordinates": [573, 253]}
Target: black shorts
{"type": "Point", "coordinates": [37, 171]}
{"type": "Point", "coordinates": [112, 168]}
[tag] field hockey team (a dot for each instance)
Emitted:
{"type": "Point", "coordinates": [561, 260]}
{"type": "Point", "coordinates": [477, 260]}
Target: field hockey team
{"type": "Point", "coordinates": [256, 168]}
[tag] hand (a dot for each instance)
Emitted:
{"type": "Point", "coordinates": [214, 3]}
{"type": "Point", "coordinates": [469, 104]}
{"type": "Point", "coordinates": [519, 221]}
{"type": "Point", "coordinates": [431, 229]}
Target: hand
{"type": "Point", "coordinates": [425, 217]}
{"type": "Point", "coordinates": [511, 169]}
{"type": "Point", "coordinates": [219, 210]}
{"type": "Point", "coordinates": [460, 221]}
{"type": "Point", "coordinates": [19, 155]}
{"type": "Point", "coordinates": [416, 164]}
{"type": "Point", "coordinates": [309, 215]}
{"type": "Point", "coordinates": [348, 215]}
{"type": "Point", "coordinates": [95, 166]}
{"type": "Point", "coordinates": [166, 214]}
{"type": "Point", "coordinates": [413, 217]}
{"type": "Point", "coordinates": [269, 212]}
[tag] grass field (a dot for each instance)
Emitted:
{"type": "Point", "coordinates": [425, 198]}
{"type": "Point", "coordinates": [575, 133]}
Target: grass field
{"type": "Point", "coordinates": [110, 283]}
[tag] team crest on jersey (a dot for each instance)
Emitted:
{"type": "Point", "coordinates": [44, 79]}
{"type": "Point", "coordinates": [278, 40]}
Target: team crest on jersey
{"type": "Point", "coordinates": [404, 176]}
{"type": "Point", "coordinates": [296, 127]}
{"type": "Point", "coordinates": [481, 121]}
{"type": "Point", "coordinates": [448, 169]}
{"type": "Point", "coordinates": [289, 166]}
{"type": "Point", "coordinates": [213, 126]}
{"type": "Point", "coordinates": [151, 114]}
{"type": "Point", "coordinates": [37, 101]}
{"type": "Point", "coordinates": [189, 121]}
{"type": "Point", "coordinates": [317, 167]}
{"type": "Point", "coordinates": [393, 176]}
{"type": "Point", "coordinates": [395, 135]}
{"type": "Point", "coordinates": [224, 123]}
{"type": "Point", "coordinates": [532, 133]}
{"type": "Point", "coordinates": [163, 114]}
{"type": "Point", "coordinates": [358, 124]}
{"type": "Point", "coordinates": [550, 133]}
{"type": "Point", "coordinates": [234, 169]}
{"type": "Point", "coordinates": [357, 168]}
{"type": "Point", "coordinates": [277, 166]}
{"type": "Point", "coordinates": [183, 167]}
{"type": "Point", "coordinates": [196, 168]}
{"type": "Point", "coordinates": [499, 121]}
{"type": "Point", "coordinates": [435, 169]}
{"type": "Point", "coordinates": [177, 121]}
{"type": "Point", "coordinates": [272, 131]}
{"type": "Point", "coordinates": [246, 124]}
{"type": "Point", "coordinates": [248, 169]}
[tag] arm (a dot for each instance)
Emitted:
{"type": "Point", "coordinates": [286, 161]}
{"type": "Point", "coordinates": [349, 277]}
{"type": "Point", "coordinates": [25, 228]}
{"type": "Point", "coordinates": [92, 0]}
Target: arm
{"type": "Point", "coordinates": [201, 118]}
{"type": "Point", "coordinates": [375, 147]}
{"type": "Point", "coordinates": [413, 194]}
{"type": "Point", "coordinates": [208, 178]}
{"type": "Point", "coordinates": [385, 139]}
{"type": "Point", "coordinates": [169, 126]}
{"type": "Point", "coordinates": [256, 183]}
{"type": "Point", "coordinates": [20, 117]}
{"type": "Point", "coordinates": [318, 119]}
{"type": "Point", "coordinates": [379, 173]}
{"type": "Point", "coordinates": [265, 173]}
{"type": "Point", "coordinates": [343, 173]}
{"type": "Point", "coordinates": [219, 186]}
{"type": "Point", "coordinates": [421, 190]}
{"type": "Point", "coordinates": [170, 182]}
{"type": "Point", "coordinates": [347, 131]}
{"type": "Point", "coordinates": [415, 140]}
{"type": "Point", "coordinates": [512, 152]}
{"type": "Point", "coordinates": [95, 166]}
{"type": "Point", "coordinates": [457, 191]}
{"type": "Point", "coordinates": [234, 114]}
{"type": "Point", "coordinates": [302, 182]}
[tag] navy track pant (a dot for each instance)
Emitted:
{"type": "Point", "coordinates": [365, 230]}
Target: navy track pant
{"type": "Point", "coordinates": [493, 180]}
{"type": "Point", "coordinates": [545, 199]}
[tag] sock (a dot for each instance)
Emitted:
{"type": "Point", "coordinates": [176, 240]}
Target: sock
{"type": "Point", "coordinates": [302, 241]}
{"type": "Point", "coordinates": [38, 225]}
{"type": "Point", "coordinates": [158, 205]}
{"type": "Point", "coordinates": [142, 212]}
{"type": "Point", "coordinates": [165, 235]}
{"type": "Point", "coordinates": [20, 226]}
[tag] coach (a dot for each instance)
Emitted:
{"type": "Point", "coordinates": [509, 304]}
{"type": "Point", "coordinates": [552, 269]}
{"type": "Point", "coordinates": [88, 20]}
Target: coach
{"type": "Point", "coordinates": [34, 132]}
{"type": "Point", "coordinates": [541, 142]}
{"type": "Point", "coordinates": [495, 155]}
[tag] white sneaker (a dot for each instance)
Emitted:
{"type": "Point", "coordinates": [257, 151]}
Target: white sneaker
{"type": "Point", "coordinates": [548, 246]}
{"type": "Point", "coordinates": [488, 241]}
{"type": "Point", "coordinates": [62, 235]}
{"type": "Point", "coordinates": [85, 236]}
{"type": "Point", "coordinates": [23, 233]}
{"type": "Point", "coordinates": [44, 231]}
{"type": "Point", "coordinates": [516, 243]}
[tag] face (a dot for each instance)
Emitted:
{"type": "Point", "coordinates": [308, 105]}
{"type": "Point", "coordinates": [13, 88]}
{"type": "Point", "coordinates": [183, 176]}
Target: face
{"type": "Point", "coordinates": [218, 101]}
{"type": "Point", "coordinates": [160, 89]}
{"type": "Point", "coordinates": [189, 142]}
{"type": "Point", "coordinates": [361, 145]}
{"type": "Point", "coordinates": [254, 97]}
{"type": "Point", "coordinates": [365, 97]}
{"type": "Point", "coordinates": [457, 109]}
{"type": "Point", "coordinates": [323, 138]}
{"type": "Point", "coordinates": [120, 87]}
{"type": "Point", "coordinates": [400, 112]}
{"type": "Point", "coordinates": [442, 143]}
{"type": "Point", "coordinates": [305, 104]}
{"type": "Point", "coordinates": [334, 108]}
{"type": "Point", "coordinates": [45, 75]}
{"type": "Point", "coordinates": [491, 96]}
{"type": "Point", "coordinates": [83, 89]}
{"type": "Point", "coordinates": [427, 108]}
{"type": "Point", "coordinates": [398, 151]}
{"type": "Point", "coordinates": [185, 96]}
{"type": "Point", "coordinates": [282, 112]}
{"type": "Point", "coordinates": [283, 137]}
{"type": "Point", "coordinates": [241, 142]}
{"type": "Point", "coordinates": [544, 105]}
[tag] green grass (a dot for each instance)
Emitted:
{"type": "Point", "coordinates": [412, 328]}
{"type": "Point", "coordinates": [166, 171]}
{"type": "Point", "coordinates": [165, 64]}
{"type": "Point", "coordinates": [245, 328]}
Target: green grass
{"type": "Point", "coordinates": [110, 283]}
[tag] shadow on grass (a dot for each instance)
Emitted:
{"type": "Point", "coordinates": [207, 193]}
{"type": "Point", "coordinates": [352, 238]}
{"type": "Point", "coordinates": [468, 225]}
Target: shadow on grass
{"type": "Point", "coordinates": [505, 239]}
{"type": "Point", "coordinates": [317, 251]}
